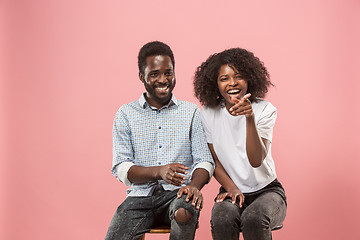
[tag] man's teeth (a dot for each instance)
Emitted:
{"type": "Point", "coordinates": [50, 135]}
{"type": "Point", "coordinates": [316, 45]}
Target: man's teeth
{"type": "Point", "coordinates": [162, 88]}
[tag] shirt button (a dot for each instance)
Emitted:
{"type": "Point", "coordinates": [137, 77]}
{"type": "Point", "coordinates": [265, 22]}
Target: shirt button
{"type": "Point", "coordinates": [159, 127]}
{"type": "Point", "coordinates": [160, 146]}
{"type": "Point", "coordinates": [158, 111]}
{"type": "Point", "coordinates": [159, 163]}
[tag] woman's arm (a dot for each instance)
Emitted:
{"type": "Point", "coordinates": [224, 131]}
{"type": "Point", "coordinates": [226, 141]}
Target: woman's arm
{"type": "Point", "coordinates": [220, 174]}
{"type": "Point", "coordinates": [256, 147]}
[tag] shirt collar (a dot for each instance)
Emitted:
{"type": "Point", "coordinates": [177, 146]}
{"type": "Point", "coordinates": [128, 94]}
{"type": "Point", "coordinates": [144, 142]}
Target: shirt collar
{"type": "Point", "coordinates": [143, 103]}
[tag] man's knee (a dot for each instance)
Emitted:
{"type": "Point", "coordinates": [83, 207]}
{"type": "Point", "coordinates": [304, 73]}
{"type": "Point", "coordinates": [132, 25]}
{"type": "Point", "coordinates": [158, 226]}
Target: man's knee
{"type": "Point", "coordinates": [182, 215]}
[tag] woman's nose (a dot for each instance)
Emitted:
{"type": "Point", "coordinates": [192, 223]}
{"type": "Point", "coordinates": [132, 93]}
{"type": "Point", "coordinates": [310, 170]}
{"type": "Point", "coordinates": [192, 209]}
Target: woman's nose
{"type": "Point", "coordinates": [232, 82]}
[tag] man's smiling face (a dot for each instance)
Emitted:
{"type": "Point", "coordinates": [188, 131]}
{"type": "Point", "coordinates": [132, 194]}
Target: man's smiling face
{"type": "Point", "coordinates": [159, 80]}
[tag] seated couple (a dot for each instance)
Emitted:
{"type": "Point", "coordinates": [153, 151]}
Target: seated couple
{"type": "Point", "coordinates": [166, 150]}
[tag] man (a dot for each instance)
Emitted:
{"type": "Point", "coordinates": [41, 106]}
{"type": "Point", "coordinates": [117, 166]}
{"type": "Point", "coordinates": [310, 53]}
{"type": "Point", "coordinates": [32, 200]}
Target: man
{"type": "Point", "coordinates": [160, 151]}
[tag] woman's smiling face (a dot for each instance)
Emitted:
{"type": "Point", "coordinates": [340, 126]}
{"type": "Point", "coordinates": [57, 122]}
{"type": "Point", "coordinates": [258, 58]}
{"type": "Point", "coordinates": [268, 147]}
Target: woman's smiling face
{"type": "Point", "coordinates": [231, 84]}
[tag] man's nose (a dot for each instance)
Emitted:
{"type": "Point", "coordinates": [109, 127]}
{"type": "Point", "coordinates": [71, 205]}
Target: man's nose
{"type": "Point", "coordinates": [162, 78]}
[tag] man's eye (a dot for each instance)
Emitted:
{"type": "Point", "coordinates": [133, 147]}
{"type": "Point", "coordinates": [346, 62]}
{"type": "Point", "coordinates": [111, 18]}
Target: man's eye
{"type": "Point", "coordinates": [153, 74]}
{"type": "Point", "coordinates": [223, 79]}
{"type": "Point", "coordinates": [239, 77]}
{"type": "Point", "coordinates": [168, 74]}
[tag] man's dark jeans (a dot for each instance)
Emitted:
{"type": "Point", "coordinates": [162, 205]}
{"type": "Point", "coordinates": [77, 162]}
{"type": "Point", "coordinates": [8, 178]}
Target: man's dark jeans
{"type": "Point", "coordinates": [137, 215]}
{"type": "Point", "coordinates": [262, 211]}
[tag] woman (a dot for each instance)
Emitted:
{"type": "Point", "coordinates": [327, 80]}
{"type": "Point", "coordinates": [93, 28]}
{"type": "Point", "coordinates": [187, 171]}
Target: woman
{"type": "Point", "coordinates": [238, 125]}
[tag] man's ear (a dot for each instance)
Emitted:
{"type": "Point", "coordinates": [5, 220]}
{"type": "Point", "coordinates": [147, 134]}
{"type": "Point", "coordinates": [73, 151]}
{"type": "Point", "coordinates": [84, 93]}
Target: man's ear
{"type": "Point", "coordinates": [141, 77]}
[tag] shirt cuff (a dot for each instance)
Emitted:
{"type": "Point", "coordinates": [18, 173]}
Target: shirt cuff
{"type": "Point", "coordinates": [122, 172]}
{"type": "Point", "coordinates": [207, 166]}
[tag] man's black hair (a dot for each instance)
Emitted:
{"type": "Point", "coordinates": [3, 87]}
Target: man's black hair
{"type": "Point", "coordinates": [154, 48]}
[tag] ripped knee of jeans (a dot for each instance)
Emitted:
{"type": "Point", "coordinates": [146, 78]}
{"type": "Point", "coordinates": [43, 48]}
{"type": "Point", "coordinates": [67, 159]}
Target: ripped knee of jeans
{"type": "Point", "coordinates": [182, 215]}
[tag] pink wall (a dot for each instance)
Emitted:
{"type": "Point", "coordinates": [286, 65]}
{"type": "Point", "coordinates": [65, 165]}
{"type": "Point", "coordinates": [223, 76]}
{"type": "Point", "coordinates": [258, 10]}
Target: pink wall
{"type": "Point", "coordinates": [66, 66]}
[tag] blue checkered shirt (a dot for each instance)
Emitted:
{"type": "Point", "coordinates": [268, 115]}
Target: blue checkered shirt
{"type": "Point", "coordinates": [145, 136]}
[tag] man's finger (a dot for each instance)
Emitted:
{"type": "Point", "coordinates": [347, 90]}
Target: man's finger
{"type": "Point", "coordinates": [180, 192]}
{"type": "Point", "coordinates": [195, 198]}
{"type": "Point", "coordinates": [179, 176]}
{"type": "Point", "coordinates": [189, 195]}
{"type": "Point", "coordinates": [174, 180]}
{"type": "Point", "coordinates": [199, 203]}
{"type": "Point", "coordinates": [181, 166]}
{"type": "Point", "coordinates": [180, 170]}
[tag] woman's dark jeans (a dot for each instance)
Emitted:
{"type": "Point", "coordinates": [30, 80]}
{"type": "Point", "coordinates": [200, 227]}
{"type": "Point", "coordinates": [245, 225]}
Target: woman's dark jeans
{"type": "Point", "coordinates": [262, 211]}
{"type": "Point", "coordinates": [137, 215]}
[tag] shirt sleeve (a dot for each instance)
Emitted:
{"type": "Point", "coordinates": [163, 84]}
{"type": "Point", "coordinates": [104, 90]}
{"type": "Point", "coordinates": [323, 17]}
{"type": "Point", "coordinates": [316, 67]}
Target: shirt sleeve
{"type": "Point", "coordinates": [266, 122]}
{"type": "Point", "coordinates": [199, 148]}
{"type": "Point", "coordinates": [205, 123]}
{"type": "Point", "coordinates": [123, 155]}
{"type": "Point", "coordinates": [122, 172]}
{"type": "Point", "coordinates": [205, 165]}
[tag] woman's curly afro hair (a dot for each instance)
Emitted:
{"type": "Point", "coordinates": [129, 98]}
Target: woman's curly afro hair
{"type": "Point", "coordinates": [249, 66]}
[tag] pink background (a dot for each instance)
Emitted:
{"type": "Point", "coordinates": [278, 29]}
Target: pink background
{"type": "Point", "coordinates": [66, 67]}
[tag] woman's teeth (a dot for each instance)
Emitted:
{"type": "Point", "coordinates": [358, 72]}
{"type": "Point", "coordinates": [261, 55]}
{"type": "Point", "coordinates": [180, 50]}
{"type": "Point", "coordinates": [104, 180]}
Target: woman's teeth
{"type": "Point", "coordinates": [233, 91]}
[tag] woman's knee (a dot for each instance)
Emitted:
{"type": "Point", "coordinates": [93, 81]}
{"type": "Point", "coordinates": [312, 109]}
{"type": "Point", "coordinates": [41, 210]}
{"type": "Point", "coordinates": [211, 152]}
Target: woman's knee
{"type": "Point", "coordinates": [224, 213]}
{"type": "Point", "coordinates": [254, 220]}
{"type": "Point", "coordinates": [265, 211]}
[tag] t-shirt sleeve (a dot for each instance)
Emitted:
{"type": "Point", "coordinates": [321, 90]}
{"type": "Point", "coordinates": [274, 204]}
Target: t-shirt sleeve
{"type": "Point", "coordinates": [266, 122]}
{"type": "Point", "coordinates": [205, 120]}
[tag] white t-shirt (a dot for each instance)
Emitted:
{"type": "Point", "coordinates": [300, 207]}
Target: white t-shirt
{"type": "Point", "coordinates": [227, 133]}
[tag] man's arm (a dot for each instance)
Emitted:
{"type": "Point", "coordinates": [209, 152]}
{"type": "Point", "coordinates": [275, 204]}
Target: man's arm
{"type": "Point", "coordinates": [171, 173]}
{"type": "Point", "coordinates": [203, 162]}
{"type": "Point", "coordinates": [123, 159]}
{"type": "Point", "coordinates": [123, 155]}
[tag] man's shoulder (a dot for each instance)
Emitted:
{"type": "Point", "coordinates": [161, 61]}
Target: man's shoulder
{"type": "Point", "coordinates": [130, 105]}
{"type": "Point", "coordinates": [127, 108]}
